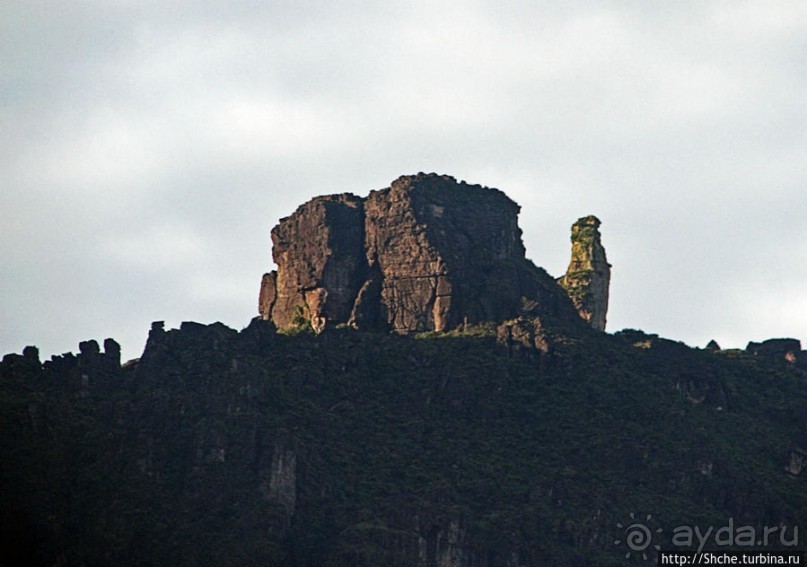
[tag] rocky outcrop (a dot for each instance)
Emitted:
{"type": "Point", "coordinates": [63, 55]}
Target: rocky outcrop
{"type": "Point", "coordinates": [523, 336]}
{"type": "Point", "coordinates": [589, 273]}
{"type": "Point", "coordinates": [713, 346]}
{"type": "Point", "coordinates": [437, 245]}
{"type": "Point", "coordinates": [320, 259]}
{"type": "Point", "coordinates": [787, 349]}
{"type": "Point", "coordinates": [427, 253]}
{"type": "Point", "coordinates": [796, 461]}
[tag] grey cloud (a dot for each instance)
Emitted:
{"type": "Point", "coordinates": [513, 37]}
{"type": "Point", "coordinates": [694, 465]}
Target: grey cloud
{"type": "Point", "coordinates": [148, 148]}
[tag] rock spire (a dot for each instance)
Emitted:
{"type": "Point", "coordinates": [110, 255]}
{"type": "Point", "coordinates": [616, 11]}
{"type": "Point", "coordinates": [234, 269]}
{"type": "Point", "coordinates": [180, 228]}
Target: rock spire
{"type": "Point", "coordinates": [589, 273]}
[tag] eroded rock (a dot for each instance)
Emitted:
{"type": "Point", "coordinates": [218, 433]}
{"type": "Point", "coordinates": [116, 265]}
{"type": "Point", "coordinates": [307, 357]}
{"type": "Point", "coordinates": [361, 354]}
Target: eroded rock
{"type": "Point", "coordinates": [589, 274]}
{"type": "Point", "coordinates": [320, 258]}
{"type": "Point", "coordinates": [426, 254]}
{"type": "Point", "coordinates": [524, 336]}
{"type": "Point", "coordinates": [796, 461]}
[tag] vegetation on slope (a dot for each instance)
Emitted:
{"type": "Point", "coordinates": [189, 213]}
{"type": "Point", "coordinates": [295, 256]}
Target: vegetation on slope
{"type": "Point", "coordinates": [347, 448]}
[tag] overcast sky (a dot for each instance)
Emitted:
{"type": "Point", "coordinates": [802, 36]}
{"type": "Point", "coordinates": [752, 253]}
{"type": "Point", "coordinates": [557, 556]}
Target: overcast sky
{"type": "Point", "coordinates": [147, 148]}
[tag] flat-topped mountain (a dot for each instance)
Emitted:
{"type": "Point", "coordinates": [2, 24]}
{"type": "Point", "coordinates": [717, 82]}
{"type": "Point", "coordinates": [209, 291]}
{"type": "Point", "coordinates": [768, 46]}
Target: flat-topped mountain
{"type": "Point", "coordinates": [514, 433]}
{"type": "Point", "coordinates": [426, 254]}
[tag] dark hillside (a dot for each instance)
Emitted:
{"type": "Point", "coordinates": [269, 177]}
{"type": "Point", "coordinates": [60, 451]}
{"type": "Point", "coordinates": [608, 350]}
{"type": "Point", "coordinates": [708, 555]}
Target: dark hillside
{"type": "Point", "coordinates": [351, 448]}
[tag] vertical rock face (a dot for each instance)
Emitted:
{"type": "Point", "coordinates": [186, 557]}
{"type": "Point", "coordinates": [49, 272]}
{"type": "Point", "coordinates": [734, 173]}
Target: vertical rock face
{"type": "Point", "coordinates": [427, 253]}
{"type": "Point", "coordinates": [435, 244]}
{"type": "Point", "coordinates": [589, 273]}
{"type": "Point", "coordinates": [281, 486]}
{"type": "Point", "coordinates": [320, 259]}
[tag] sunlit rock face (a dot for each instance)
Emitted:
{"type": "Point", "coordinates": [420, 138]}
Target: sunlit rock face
{"type": "Point", "coordinates": [427, 253]}
{"type": "Point", "coordinates": [589, 273]}
{"type": "Point", "coordinates": [319, 251]}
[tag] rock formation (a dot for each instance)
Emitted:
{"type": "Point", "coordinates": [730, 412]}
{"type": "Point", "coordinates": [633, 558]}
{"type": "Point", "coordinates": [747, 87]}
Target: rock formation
{"type": "Point", "coordinates": [320, 259]}
{"type": "Point", "coordinates": [589, 273]}
{"type": "Point", "coordinates": [787, 349]}
{"type": "Point", "coordinates": [523, 336]}
{"type": "Point", "coordinates": [797, 461]}
{"type": "Point", "coordinates": [427, 253]}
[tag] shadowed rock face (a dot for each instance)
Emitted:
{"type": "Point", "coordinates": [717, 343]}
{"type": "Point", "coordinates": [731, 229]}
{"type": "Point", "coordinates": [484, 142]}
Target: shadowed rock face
{"type": "Point", "coordinates": [589, 273]}
{"type": "Point", "coordinates": [427, 253]}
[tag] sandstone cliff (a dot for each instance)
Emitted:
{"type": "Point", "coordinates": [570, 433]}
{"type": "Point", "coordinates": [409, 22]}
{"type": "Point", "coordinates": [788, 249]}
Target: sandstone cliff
{"type": "Point", "coordinates": [589, 273]}
{"type": "Point", "coordinates": [426, 254]}
{"type": "Point", "coordinates": [319, 254]}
